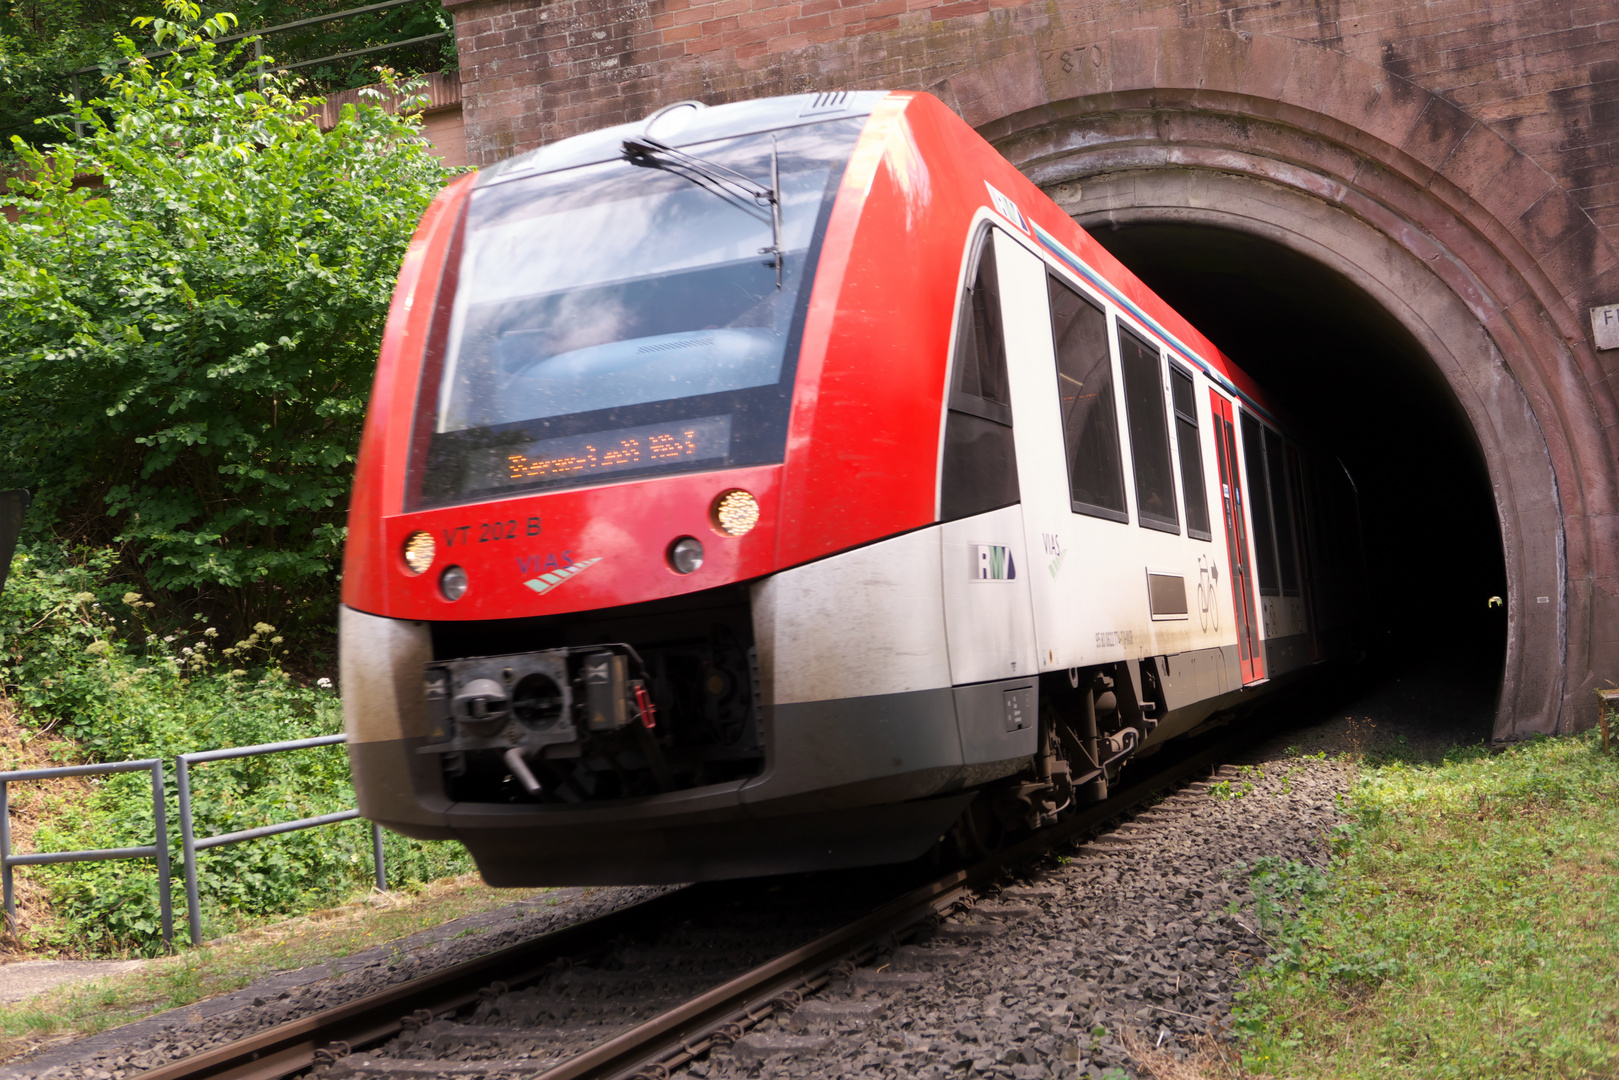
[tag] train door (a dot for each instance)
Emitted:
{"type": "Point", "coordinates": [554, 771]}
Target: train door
{"type": "Point", "coordinates": [1242, 588]}
{"type": "Point", "coordinates": [989, 633]}
{"type": "Point", "coordinates": [1041, 476]}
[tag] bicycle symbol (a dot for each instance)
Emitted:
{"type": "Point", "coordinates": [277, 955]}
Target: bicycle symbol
{"type": "Point", "coordinates": [1208, 600]}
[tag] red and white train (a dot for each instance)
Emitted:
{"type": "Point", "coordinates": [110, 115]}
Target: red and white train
{"type": "Point", "coordinates": [788, 484]}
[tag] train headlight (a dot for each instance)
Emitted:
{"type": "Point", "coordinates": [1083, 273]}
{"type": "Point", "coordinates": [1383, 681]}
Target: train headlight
{"type": "Point", "coordinates": [419, 551]}
{"type": "Point", "coordinates": [686, 554]}
{"type": "Point", "coordinates": [453, 583]}
{"type": "Point", "coordinates": [736, 513]}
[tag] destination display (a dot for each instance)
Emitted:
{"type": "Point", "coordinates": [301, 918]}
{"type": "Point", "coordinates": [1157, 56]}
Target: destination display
{"type": "Point", "coordinates": [603, 453]}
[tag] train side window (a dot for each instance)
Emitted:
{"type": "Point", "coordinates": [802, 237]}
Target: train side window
{"type": "Point", "coordinates": [1287, 559]}
{"type": "Point", "coordinates": [1184, 398]}
{"type": "Point", "coordinates": [1253, 456]}
{"type": "Point", "coordinates": [1090, 425]}
{"type": "Point", "coordinates": [980, 464]}
{"type": "Point", "coordinates": [1149, 433]}
{"type": "Point", "coordinates": [980, 379]}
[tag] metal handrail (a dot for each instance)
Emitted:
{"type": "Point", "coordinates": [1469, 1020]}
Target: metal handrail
{"type": "Point", "coordinates": [159, 850]}
{"type": "Point", "coordinates": [190, 844]}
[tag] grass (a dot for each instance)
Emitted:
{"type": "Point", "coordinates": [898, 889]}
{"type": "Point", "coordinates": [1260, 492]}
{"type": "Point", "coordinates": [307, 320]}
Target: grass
{"type": "Point", "coordinates": [1469, 927]}
{"type": "Point", "coordinates": [227, 964]}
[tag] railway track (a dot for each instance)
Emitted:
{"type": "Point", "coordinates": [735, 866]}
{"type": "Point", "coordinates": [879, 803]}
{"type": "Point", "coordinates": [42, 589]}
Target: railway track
{"type": "Point", "coordinates": [642, 990]}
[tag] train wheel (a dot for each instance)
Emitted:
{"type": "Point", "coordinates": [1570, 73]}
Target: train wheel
{"type": "Point", "coordinates": [980, 830]}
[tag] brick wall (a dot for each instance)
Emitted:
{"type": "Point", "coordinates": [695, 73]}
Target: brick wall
{"type": "Point", "coordinates": [442, 123]}
{"type": "Point", "coordinates": [1543, 74]}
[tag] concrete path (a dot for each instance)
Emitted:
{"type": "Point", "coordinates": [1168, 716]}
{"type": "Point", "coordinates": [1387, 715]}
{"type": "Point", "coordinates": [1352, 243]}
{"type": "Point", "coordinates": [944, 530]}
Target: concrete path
{"type": "Point", "coordinates": [24, 979]}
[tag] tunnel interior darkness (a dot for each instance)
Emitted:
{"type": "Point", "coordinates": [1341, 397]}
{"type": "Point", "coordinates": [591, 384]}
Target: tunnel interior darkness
{"type": "Point", "coordinates": [1356, 385]}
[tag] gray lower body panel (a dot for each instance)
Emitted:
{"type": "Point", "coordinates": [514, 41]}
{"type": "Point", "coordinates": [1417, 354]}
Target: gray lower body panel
{"type": "Point", "coordinates": [1286, 654]}
{"type": "Point", "coordinates": [853, 782]}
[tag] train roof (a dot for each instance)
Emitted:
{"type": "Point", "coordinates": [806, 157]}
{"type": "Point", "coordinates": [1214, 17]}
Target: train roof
{"type": "Point", "coordinates": [688, 123]}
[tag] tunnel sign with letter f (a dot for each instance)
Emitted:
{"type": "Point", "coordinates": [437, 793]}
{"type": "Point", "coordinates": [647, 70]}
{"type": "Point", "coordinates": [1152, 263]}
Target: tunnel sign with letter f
{"type": "Point", "coordinates": [1605, 325]}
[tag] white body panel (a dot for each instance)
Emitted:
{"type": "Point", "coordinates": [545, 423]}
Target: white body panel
{"type": "Point", "coordinates": [987, 614]}
{"type": "Point", "coordinates": [869, 621]}
{"type": "Point", "coordinates": [1088, 576]}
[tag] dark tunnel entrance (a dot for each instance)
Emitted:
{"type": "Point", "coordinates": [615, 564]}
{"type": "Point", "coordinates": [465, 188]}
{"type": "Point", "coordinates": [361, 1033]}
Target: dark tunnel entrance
{"type": "Point", "coordinates": [1353, 380]}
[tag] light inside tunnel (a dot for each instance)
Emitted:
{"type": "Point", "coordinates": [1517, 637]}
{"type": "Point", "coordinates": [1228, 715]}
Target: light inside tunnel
{"type": "Point", "coordinates": [1357, 385]}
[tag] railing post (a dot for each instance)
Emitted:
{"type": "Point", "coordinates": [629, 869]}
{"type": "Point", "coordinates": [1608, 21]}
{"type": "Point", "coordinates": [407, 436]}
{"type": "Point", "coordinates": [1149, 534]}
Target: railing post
{"type": "Point", "coordinates": [376, 857]}
{"type": "Point", "coordinates": [188, 848]}
{"type": "Point", "coordinates": [78, 100]}
{"type": "Point", "coordinates": [160, 813]}
{"type": "Point", "coordinates": [5, 858]}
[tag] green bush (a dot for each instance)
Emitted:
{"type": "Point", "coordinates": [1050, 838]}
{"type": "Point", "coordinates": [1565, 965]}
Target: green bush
{"type": "Point", "coordinates": [186, 352]}
{"type": "Point", "coordinates": [77, 655]}
{"type": "Point", "coordinates": [42, 41]}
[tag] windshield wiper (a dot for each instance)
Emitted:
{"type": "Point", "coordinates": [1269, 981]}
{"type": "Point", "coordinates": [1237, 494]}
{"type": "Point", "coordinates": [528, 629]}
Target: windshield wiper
{"type": "Point", "coordinates": [741, 191]}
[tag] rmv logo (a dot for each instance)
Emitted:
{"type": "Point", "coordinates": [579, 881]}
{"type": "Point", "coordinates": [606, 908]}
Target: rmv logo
{"type": "Point", "coordinates": [991, 562]}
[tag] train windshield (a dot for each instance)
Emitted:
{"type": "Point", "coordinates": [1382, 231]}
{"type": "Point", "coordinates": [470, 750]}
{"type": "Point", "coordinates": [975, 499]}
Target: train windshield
{"type": "Point", "coordinates": [625, 318]}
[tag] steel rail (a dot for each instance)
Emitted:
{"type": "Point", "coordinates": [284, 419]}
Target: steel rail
{"type": "Point", "coordinates": [286, 1048]}
{"type": "Point", "coordinates": [670, 1040]}
{"type": "Point", "coordinates": [673, 1037]}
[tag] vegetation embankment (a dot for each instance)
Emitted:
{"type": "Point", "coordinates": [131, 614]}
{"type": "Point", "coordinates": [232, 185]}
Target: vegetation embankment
{"type": "Point", "coordinates": [186, 352]}
{"type": "Point", "coordinates": [1468, 925]}
{"type": "Point", "coordinates": [185, 357]}
{"type": "Point", "coordinates": [88, 667]}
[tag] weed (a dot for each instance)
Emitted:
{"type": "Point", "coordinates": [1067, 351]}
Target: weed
{"type": "Point", "coordinates": [1358, 734]}
{"type": "Point", "coordinates": [1224, 791]}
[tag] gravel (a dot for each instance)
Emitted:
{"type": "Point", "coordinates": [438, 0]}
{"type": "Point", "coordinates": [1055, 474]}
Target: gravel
{"type": "Point", "coordinates": [1142, 933]}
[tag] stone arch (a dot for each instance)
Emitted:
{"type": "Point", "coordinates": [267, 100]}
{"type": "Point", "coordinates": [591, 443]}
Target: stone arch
{"type": "Point", "coordinates": [1473, 247]}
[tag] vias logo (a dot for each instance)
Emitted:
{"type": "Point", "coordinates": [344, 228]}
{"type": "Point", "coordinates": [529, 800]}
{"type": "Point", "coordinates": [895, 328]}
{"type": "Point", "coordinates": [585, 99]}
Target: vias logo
{"type": "Point", "coordinates": [548, 581]}
{"type": "Point", "coordinates": [991, 562]}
